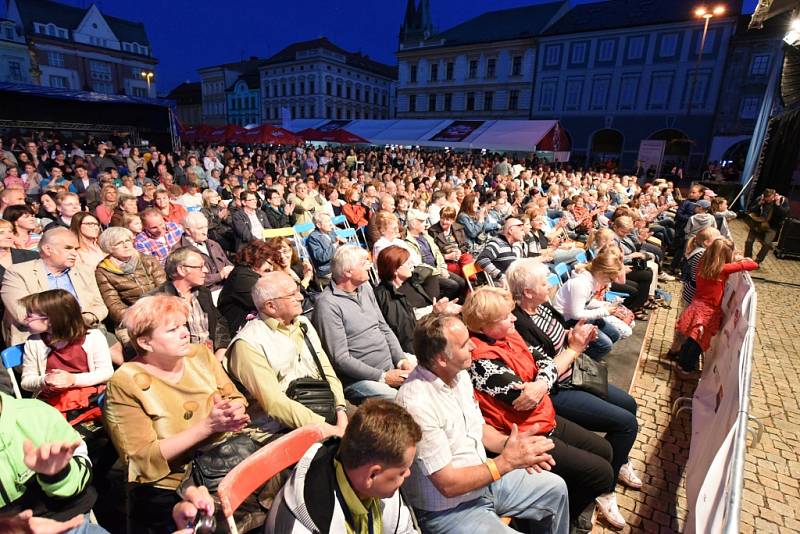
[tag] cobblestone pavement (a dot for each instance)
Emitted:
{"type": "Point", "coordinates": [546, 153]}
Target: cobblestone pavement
{"type": "Point", "coordinates": [771, 495]}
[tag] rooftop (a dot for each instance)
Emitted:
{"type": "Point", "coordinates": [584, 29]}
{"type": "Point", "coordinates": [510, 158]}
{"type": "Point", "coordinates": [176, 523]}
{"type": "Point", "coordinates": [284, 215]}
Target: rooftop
{"type": "Point", "coordinates": [504, 24]}
{"type": "Point", "coordinates": [354, 59]}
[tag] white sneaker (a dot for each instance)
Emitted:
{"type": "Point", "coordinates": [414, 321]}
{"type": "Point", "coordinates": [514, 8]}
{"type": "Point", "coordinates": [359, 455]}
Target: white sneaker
{"type": "Point", "coordinates": [607, 506]}
{"type": "Point", "coordinates": [629, 477]}
{"type": "Point", "coordinates": [664, 277]}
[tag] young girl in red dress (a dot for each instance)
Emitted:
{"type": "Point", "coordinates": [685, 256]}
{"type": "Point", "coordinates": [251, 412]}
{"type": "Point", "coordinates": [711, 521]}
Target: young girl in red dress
{"type": "Point", "coordinates": [701, 321]}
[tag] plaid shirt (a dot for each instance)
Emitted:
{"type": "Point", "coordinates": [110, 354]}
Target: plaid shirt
{"type": "Point", "coordinates": [159, 247]}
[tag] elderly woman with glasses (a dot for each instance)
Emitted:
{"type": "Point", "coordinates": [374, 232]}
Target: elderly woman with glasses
{"type": "Point", "coordinates": [125, 276]}
{"type": "Point", "coordinates": [545, 330]}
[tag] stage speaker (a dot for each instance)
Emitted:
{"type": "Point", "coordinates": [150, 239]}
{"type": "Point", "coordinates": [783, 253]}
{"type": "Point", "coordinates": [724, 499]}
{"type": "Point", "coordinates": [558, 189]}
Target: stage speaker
{"type": "Point", "coordinates": [789, 239]}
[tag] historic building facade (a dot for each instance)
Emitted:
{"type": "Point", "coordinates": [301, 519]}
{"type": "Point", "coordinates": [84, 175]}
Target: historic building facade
{"type": "Point", "coordinates": [216, 83]}
{"type": "Point", "coordinates": [317, 79]}
{"type": "Point", "coordinates": [76, 48]}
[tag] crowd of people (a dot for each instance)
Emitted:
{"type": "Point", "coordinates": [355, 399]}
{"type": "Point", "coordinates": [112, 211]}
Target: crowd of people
{"type": "Point", "coordinates": [400, 300]}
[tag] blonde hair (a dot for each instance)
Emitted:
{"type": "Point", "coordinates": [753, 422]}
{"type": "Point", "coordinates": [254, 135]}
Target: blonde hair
{"type": "Point", "coordinates": [486, 305]}
{"type": "Point", "coordinates": [599, 238]}
{"type": "Point", "coordinates": [608, 262]}
{"type": "Point", "coordinates": [148, 313]}
{"type": "Point", "coordinates": [717, 254]}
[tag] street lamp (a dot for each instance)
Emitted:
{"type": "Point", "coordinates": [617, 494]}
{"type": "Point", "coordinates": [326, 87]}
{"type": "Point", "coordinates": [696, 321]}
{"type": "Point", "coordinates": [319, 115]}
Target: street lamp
{"type": "Point", "coordinates": [147, 75]}
{"type": "Point", "coordinates": [707, 14]}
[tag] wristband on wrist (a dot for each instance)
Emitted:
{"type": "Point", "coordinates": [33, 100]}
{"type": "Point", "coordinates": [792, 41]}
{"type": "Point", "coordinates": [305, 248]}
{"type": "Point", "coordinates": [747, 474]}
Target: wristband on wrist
{"type": "Point", "coordinates": [493, 469]}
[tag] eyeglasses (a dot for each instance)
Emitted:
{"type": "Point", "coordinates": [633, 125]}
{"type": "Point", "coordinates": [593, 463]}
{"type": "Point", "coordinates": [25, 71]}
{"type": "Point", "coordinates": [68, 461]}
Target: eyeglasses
{"type": "Point", "coordinates": [123, 242]}
{"type": "Point", "coordinates": [90, 223]}
{"type": "Point", "coordinates": [194, 266]}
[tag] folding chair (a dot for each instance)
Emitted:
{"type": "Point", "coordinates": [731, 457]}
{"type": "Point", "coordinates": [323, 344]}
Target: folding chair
{"type": "Point", "coordinates": [341, 220]}
{"type": "Point", "coordinates": [581, 258]}
{"type": "Point", "coordinates": [262, 465]}
{"type": "Point", "coordinates": [12, 357]}
{"type": "Point", "coordinates": [348, 234]}
{"type": "Point", "coordinates": [303, 228]}
{"type": "Point", "coordinates": [555, 282]}
{"type": "Point", "coordinates": [472, 269]}
{"type": "Point", "coordinates": [289, 233]}
{"type": "Point", "coordinates": [562, 270]}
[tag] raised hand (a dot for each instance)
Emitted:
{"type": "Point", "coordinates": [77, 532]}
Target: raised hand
{"type": "Point", "coordinates": [49, 458]}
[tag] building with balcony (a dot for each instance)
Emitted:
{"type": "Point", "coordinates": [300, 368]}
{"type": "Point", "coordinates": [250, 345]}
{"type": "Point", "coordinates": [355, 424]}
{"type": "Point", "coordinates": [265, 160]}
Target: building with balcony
{"type": "Point", "coordinates": [317, 79]}
{"type": "Point", "coordinates": [78, 48]}
{"type": "Point", "coordinates": [15, 63]}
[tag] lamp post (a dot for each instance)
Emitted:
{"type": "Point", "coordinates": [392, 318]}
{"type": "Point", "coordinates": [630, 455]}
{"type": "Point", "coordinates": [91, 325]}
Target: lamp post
{"type": "Point", "coordinates": [707, 14]}
{"type": "Point", "coordinates": [148, 75]}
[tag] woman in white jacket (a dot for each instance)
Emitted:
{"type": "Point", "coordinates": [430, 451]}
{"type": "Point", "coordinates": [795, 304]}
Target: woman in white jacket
{"type": "Point", "coordinates": [61, 354]}
{"type": "Point", "coordinates": [576, 299]}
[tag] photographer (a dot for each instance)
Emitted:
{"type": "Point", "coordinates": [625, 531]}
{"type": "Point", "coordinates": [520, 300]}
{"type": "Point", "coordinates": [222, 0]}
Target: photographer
{"type": "Point", "coordinates": [767, 214]}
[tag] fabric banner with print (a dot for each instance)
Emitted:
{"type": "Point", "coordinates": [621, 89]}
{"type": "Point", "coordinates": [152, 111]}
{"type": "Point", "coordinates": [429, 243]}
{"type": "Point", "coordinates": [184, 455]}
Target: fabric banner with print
{"type": "Point", "coordinates": [716, 407]}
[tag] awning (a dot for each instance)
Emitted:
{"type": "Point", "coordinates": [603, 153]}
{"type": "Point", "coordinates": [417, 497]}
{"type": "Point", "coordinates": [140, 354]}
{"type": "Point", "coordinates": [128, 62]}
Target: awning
{"type": "Point", "coordinates": [766, 9]}
{"type": "Point", "coordinates": [266, 134]}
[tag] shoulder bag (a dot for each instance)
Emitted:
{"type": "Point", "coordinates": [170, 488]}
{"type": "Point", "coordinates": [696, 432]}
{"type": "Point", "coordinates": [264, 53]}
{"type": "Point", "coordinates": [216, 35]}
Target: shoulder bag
{"type": "Point", "coordinates": [588, 375]}
{"type": "Point", "coordinates": [315, 394]}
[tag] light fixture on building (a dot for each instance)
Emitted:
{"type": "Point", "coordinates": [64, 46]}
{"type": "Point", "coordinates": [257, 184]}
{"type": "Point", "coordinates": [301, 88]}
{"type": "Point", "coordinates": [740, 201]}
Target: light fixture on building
{"type": "Point", "coordinates": [706, 13]}
{"type": "Point", "coordinates": [792, 37]}
{"type": "Point", "coordinates": [147, 75]}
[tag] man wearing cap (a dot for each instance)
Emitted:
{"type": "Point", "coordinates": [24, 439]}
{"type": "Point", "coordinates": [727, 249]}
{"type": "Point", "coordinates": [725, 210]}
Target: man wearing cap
{"type": "Point", "coordinates": [425, 252]}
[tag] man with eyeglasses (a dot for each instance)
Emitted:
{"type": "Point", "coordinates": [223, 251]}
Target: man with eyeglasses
{"type": "Point", "coordinates": [249, 222]}
{"type": "Point", "coordinates": [186, 275]}
{"type": "Point", "coordinates": [58, 249]}
{"type": "Point", "coordinates": [274, 349]}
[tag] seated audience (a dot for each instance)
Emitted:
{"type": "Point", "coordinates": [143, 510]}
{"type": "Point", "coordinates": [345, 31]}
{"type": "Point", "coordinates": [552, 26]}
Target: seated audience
{"type": "Point", "coordinates": [41, 448]}
{"type": "Point", "coordinates": [68, 204]}
{"type": "Point", "coordinates": [235, 301]}
{"type": "Point", "coordinates": [576, 300]}
{"type": "Point", "coordinates": [454, 486]}
{"type": "Point", "coordinates": [125, 276]}
{"type": "Point", "coordinates": [108, 204]}
{"type": "Point", "coordinates": [512, 389]}
{"type": "Point", "coordinates": [366, 353]}
{"type": "Point", "coordinates": [170, 211]}
{"type": "Point", "coordinates": [273, 350]}
{"type": "Point", "coordinates": [321, 244]}
{"type": "Point", "coordinates": [25, 228]}
{"type": "Point", "coordinates": [366, 468]}
{"type": "Point", "coordinates": [450, 238]}
{"type": "Point", "coordinates": [545, 331]}
{"type": "Point", "coordinates": [164, 405]}
{"type": "Point", "coordinates": [278, 213]}
{"type": "Point", "coordinates": [500, 251]}
{"type": "Point", "coordinates": [186, 272]}
{"type": "Point", "coordinates": [218, 217]}
{"type": "Point", "coordinates": [283, 257]}
{"type": "Point", "coordinates": [158, 236]}
{"type": "Point", "coordinates": [425, 252]}
{"type": "Point", "coordinates": [196, 236]}
{"type": "Point", "coordinates": [55, 270]}
{"type": "Point", "coordinates": [249, 222]}
{"type": "Point", "coordinates": [401, 298]}
{"type": "Point", "coordinates": [65, 364]}
{"type": "Point", "coordinates": [354, 210]}
{"type": "Point", "coordinates": [9, 253]}
{"type": "Point", "coordinates": [87, 229]}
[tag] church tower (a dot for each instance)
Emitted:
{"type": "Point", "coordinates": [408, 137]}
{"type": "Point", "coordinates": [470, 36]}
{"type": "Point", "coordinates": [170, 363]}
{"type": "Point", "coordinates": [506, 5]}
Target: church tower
{"type": "Point", "coordinates": [417, 25]}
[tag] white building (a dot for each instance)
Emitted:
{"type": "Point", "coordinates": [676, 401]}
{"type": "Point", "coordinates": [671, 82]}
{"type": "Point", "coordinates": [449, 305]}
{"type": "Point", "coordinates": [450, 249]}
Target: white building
{"type": "Point", "coordinates": [317, 79]}
{"type": "Point", "coordinates": [81, 49]}
{"type": "Point", "coordinates": [482, 68]}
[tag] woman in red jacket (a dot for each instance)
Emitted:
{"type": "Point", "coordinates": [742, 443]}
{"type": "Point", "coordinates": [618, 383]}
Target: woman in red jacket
{"type": "Point", "coordinates": [701, 321]}
{"type": "Point", "coordinates": [512, 390]}
{"type": "Point", "coordinates": [354, 210]}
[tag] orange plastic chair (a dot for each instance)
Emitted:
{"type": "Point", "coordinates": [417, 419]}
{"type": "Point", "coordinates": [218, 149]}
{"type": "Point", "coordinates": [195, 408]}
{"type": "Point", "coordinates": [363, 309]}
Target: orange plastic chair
{"type": "Point", "coordinates": [262, 465]}
{"type": "Point", "coordinates": [469, 270]}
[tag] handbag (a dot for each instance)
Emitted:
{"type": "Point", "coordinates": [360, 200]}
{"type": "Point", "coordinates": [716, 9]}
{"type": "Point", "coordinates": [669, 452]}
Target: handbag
{"type": "Point", "coordinates": [588, 375]}
{"type": "Point", "coordinates": [210, 467]}
{"type": "Point", "coordinates": [313, 393]}
{"type": "Point", "coordinates": [639, 264]}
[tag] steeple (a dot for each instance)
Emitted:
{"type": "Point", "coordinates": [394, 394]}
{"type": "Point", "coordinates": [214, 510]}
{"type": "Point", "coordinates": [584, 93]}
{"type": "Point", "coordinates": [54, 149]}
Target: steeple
{"type": "Point", "coordinates": [409, 21]}
{"type": "Point", "coordinates": [424, 14]}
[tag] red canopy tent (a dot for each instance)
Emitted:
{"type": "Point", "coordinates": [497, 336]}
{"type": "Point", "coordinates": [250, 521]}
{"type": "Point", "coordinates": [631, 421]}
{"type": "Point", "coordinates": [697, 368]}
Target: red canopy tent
{"type": "Point", "coordinates": [266, 134]}
{"type": "Point", "coordinates": [222, 134]}
{"type": "Point", "coordinates": [195, 133]}
{"type": "Point", "coordinates": [334, 136]}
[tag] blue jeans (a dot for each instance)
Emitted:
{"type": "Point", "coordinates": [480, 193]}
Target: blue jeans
{"type": "Point", "coordinates": [358, 392]}
{"type": "Point", "coordinates": [615, 416]}
{"type": "Point", "coordinates": [607, 335]}
{"type": "Point", "coordinates": [540, 497]}
{"type": "Point", "coordinates": [88, 528]}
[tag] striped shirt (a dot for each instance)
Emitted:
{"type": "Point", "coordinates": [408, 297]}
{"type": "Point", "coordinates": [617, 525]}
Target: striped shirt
{"type": "Point", "coordinates": [547, 323]}
{"type": "Point", "coordinates": [689, 274]}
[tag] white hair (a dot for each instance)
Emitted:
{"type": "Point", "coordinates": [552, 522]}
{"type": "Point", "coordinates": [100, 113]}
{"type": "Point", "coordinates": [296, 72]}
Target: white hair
{"type": "Point", "coordinates": [268, 287]}
{"type": "Point", "coordinates": [344, 259]}
{"type": "Point", "coordinates": [193, 219]}
{"type": "Point", "coordinates": [320, 216]}
{"type": "Point", "coordinates": [523, 274]}
{"type": "Point", "coordinates": [111, 236]}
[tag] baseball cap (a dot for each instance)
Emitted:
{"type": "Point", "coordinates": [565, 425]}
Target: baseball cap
{"type": "Point", "coordinates": [709, 193]}
{"type": "Point", "coordinates": [705, 204]}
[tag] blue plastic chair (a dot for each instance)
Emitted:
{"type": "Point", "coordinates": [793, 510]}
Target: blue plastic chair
{"type": "Point", "coordinates": [562, 271]}
{"type": "Point", "coordinates": [340, 220]}
{"type": "Point", "coordinates": [590, 254]}
{"type": "Point", "coordinates": [12, 357]}
{"type": "Point", "coordinates": [581, 257]}
{"type": "Point", "coordinates": [612, 296]}
{"type": "Point", "coordinates": [302, 228]}
{"type": "Point", "coordinates": [553, 280]}
{"type": "Point", "coordinates": [346, 233]}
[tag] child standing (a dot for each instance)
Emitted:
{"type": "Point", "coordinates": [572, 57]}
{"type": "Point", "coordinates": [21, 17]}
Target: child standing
{"type": "Point", "coordinates": [701, 321]}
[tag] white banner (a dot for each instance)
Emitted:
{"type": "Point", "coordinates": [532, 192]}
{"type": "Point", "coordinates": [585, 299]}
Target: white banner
{"type": "Point", "coordinates": [716, 406]}
{"type": "Point", "coordinates": [651, 154]}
